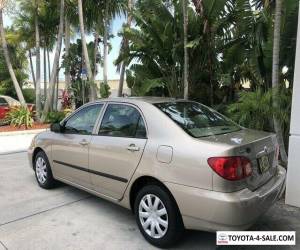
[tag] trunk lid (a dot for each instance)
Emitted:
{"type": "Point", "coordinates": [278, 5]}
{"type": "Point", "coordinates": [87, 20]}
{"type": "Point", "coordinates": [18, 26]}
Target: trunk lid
{"type": "Point", "coordinates": [261, 148]}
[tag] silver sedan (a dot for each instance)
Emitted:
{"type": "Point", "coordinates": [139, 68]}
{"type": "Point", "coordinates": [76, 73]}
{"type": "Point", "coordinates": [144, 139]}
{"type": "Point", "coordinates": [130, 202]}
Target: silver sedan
{"type": "Point", "coordinates": [176, 164]}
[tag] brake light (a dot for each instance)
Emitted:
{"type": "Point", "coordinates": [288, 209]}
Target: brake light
{"type": "Point", "coordinates": [232, 168]}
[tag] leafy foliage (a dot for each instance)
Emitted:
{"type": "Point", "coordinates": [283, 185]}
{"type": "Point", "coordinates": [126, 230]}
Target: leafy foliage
{"type": "Point", "coordinates": [55, 117]}
{"type": "Point", "coordinates": [21, 116]}
{"type": "Point", "coordinates": [104, 90]}
{"type": "Point", "coordinates": [255, 110]}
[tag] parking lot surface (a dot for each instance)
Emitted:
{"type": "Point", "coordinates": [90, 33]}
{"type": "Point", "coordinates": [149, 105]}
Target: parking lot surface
{"type": "Point", "coordinates": [67, 218]}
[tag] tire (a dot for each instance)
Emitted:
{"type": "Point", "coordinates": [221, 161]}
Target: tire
{"type": "Point", "coordinates": [43, 173]}
{"type": "Point", "coordinates": [152, 218]}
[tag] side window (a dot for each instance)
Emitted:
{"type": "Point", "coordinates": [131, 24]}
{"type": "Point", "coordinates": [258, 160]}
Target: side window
{"type": "Point", "coordinates": [122, 121]}
{"type": "Point", "coordinates": [3, 102]}
{"type": "Point", "coordinates": [83, 122]}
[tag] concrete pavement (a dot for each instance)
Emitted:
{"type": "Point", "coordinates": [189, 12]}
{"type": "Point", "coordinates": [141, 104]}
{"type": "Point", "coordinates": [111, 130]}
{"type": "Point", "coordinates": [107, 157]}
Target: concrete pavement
{"type": "Point", "coordinates": [67, 218]}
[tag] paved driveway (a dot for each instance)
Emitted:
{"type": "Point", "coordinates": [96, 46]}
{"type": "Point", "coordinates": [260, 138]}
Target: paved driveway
{"type": "Point", "coordinates": [67, 218]}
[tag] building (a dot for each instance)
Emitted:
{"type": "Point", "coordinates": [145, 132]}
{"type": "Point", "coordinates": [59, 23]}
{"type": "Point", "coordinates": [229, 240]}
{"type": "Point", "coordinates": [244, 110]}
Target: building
{"type": "Point", "coordinates": [293, 174]}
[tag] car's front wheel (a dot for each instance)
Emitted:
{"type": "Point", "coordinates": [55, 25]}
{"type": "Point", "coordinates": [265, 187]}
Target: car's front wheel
{"type": "Point", "coordinates": [157, 216]}
{"type": "Point", "coordinates": [43, 171]}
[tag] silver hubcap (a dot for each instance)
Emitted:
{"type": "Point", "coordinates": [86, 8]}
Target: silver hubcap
{"type": "Point", "coordinates": [153, 216]}
{"type": "Point", "coordinates": [41, 170]}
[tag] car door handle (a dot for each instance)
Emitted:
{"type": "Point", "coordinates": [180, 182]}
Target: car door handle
{"type": "Point", "coordinates": [84, 142]}
{"type": "Point", "coordinates": [133, 147]}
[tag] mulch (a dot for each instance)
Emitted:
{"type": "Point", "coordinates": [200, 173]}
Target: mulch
{"type": "Point", "coordinates": [36, 125]}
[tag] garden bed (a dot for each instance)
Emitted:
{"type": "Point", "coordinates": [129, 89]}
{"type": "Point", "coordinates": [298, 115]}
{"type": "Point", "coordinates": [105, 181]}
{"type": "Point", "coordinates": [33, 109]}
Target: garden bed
{"type": "Point", "coordinates": [9, 128]}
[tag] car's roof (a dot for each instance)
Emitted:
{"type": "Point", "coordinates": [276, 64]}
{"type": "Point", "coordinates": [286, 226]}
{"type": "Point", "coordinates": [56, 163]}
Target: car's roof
{"type": "Point", "coordinates": [147, 99]}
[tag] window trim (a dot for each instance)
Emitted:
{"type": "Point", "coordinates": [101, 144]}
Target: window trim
{"type": "Point", "coordinates": [64, 121]}
{"type": "Point", "coordinates": [97, 128]}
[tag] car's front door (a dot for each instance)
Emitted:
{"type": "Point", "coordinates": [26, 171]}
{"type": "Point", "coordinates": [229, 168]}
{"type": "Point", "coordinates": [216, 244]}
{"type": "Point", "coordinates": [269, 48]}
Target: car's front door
{"type": "Point", "coordinates": [70, 148]}
{"type": "Point", "coordinates": [117, 149]}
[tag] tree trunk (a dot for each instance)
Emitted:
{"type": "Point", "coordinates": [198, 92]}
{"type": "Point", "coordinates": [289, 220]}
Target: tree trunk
{"type": "Point", "coordinates": [186, 56]}
{"type": "Point", "coordinates": [38, 105]}
{"type": "Point", "coordinates": [105, 42]}
{"type": "Point", "coordinates": [45, 73]}
{"type": "Point", "coordinates": [67, 49]}
{"type": "Point", "coordinates": [31, 68]}
{"type": "Point", "coordinates": [49, 64]}
{"type": "Point", "coordinates": [56, 61]}
{"type": "Point", "coordinates": [8, 62]}
{"type": "Point", "coordinates": [275, 78]}
{"type": "Point", "coordinates": [126, 44]}
{"type": "Point", "coordinates": [93, 94]}
{"type": "Point", "coordinates": [95, 55]}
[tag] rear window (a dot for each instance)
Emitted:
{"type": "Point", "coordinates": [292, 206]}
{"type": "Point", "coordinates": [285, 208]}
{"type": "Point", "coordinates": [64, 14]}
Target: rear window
{"type": "Point", "coordinates": [197, 119]}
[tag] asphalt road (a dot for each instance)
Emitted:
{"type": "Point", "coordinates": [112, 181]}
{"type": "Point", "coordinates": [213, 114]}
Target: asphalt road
{"type": "Point", "coordinates": [67, 218]}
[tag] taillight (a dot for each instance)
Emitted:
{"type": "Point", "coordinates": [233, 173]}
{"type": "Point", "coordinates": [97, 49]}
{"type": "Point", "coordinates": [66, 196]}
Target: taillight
{"type": "Point", "coordinates": [232, 168]}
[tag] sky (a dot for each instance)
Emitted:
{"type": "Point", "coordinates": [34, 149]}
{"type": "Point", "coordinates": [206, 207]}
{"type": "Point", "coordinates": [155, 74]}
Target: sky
{"type": "Point", "coordinates": [116, 27]}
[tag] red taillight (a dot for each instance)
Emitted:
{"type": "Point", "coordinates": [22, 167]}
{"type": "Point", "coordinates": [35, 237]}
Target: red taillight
{"type": "Point", "coordinates": [231, 168]}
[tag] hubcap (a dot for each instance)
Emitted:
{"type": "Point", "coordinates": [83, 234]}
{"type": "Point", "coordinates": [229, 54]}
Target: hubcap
{"type": "Point", "coordinates": [41, 170]}
{"type": "Point", "coordinates": [153, 216]}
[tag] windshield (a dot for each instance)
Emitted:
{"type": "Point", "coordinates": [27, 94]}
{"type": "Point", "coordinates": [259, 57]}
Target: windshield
{"type": "Point", "coordinates": [197, 119]}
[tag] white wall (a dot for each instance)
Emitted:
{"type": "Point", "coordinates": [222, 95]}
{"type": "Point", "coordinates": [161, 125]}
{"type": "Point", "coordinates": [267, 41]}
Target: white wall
{"type": "Point", "coordinates": [293, 174]}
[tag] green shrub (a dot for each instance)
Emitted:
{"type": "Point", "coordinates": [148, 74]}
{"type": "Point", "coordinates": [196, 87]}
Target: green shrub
{"type": "Point", "coordinates": [29, 95]}
{"type": "Point", "coordinates": [55, 117]}
{"type": "Point", "coordinates": [104, 90]}
{"type": "Point", "coordinates": [20, 116]}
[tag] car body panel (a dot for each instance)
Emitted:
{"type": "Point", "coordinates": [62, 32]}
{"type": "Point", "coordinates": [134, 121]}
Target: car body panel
{"type": "Point", "coordinates": [206, 201]}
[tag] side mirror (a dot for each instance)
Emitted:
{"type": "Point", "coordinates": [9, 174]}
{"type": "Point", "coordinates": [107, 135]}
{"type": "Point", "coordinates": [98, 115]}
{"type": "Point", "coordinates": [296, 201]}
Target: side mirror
{"type": "Point", "coordinates": [56, 128]}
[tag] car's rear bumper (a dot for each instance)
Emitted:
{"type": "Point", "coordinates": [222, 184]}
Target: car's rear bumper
{"type": "Point", "coordinates": [213, 211]}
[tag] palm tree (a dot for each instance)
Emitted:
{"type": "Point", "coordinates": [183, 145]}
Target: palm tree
{"type": "Point", "coordinates": [186, 56]}
{"type": "Point", "coordinates": [54, 72]}
{"type": "Point", "coordinates": [7, 58]}
{"type": "Point", "coordinates": [93, 94]}
{"type": "Point", "coordinates": [275, 77]}
{"type": "Point", "coordinates": [125, 47]}
{"type": "Point", "coordinates": [67, 49]}
{"type": "Point", "coordinates": [38, 60]}
{"type": "Point", "coordinates": [105, 40]}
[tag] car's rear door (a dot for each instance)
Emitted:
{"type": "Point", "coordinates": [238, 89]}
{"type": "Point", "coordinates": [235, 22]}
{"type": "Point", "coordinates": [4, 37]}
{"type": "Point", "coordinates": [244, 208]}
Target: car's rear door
{"type": "Point", "coordinates": [70, 148]}
{"type": "Point", "coordinates": [117, 149]}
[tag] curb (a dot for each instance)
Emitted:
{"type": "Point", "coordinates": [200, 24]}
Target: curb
{"type": "Point", "coordinates": [23, 132]}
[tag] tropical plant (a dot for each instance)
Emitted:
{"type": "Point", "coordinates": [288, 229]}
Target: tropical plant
{"type": "Point", "coordinates": [7, 57]}
{"type": "Point", "coordinates": [20, 116]}
{"type": "Point", "coordinates": [19, 63]}
{"type": "Point", "coordinates": [55, 61]}
{"type": "Point", "coordinates": [124, 46]}
{"type": "Point", "coordinates": [55, 116]}
{"type": "Point", "coordinates": [104, 90]}
{"type": "Point", "coordinates": [254, 110]}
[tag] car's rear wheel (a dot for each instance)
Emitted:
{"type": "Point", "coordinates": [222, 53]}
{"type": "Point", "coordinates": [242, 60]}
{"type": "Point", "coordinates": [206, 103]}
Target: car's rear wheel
{"type": "Point", "coordinates": [157, 216]}
{"type": "Point", "coordinates": [43, 171]}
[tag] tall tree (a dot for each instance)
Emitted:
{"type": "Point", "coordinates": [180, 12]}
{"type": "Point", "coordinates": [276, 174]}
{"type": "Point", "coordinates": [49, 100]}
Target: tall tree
{"type": "Point", "coordinates": [7, 58]}
{"type": "Point", "coordinates": [275, 77]}
{"type": "Point", "coordinates": [93, 94]}
{"type": "Point", "coordinates": [38, 60]}
{"type": "Point", "coordinates": [67, 50]}
{"type": "Point", "coordinates": [186, 56]}
{"type": "Point", "coordinates": [105, 41]}
{"type": "Point", "coordinates": [125, 47]}
{"type": "Point", "coordinates": [56, 61]}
